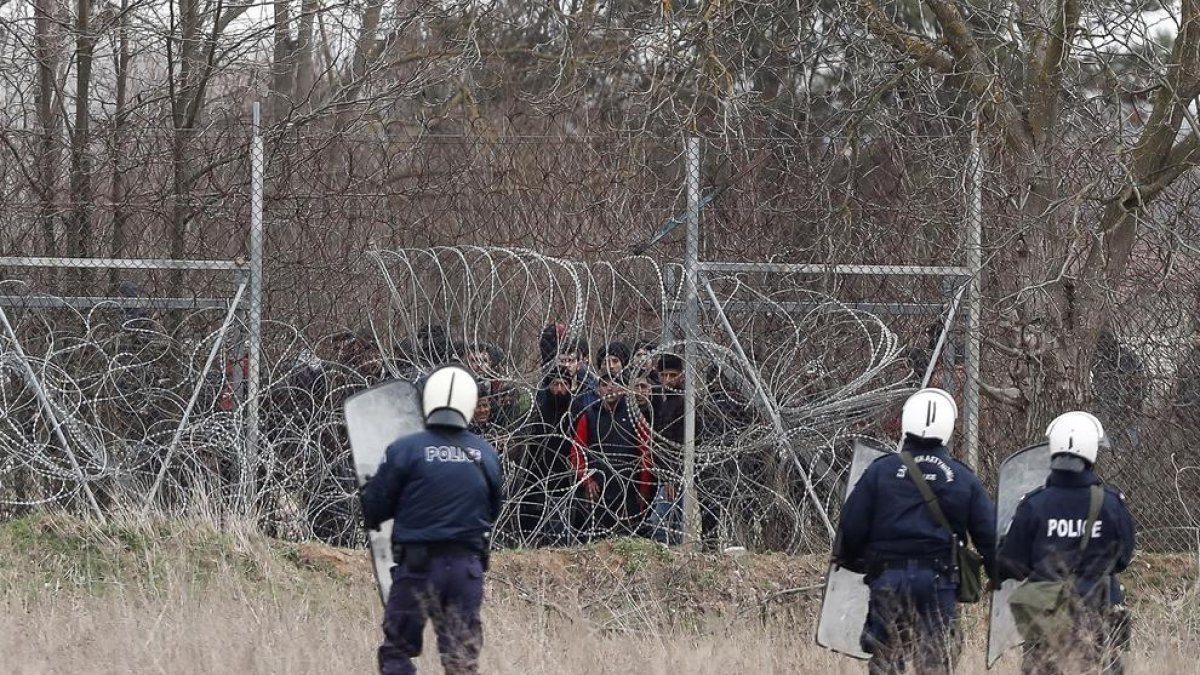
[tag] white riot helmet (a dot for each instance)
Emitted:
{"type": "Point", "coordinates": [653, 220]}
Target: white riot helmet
{"type": "Point", "coordinates": [448, 397]}
{"type": "Point", "coordinates": [929, 413]}
{"type": "Point", "coordinates": [1076, 433]}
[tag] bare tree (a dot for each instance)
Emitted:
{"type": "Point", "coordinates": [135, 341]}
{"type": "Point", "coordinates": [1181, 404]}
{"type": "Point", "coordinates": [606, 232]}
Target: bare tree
{"type": "Point", "coordinates": [118, 186]}
{"type": "Point", "coordinates": [79, 225]}
{"type": "Point", "coordinates": [283, 66]}
{"type": "Point", "coordinates": [1072, 247]}
{"type": "Point", "coordinates": [48, 119]}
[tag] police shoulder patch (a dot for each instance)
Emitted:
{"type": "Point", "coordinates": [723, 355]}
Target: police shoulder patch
{"type": "Point", "coordinates": [1114, 491]}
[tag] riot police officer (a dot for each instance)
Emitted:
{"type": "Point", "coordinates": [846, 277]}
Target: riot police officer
{"type": "Point", "coordinates": [888, 532]}
{"type": "Point", "coordinates": [1060, 533]}
{"type": "Point", "coordinates": [442, 487]}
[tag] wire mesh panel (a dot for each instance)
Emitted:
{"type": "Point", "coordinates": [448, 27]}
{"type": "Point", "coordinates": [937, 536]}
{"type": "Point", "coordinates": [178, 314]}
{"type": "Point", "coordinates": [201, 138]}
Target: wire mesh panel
{"type": "Point", "coordinates": [387, 253]}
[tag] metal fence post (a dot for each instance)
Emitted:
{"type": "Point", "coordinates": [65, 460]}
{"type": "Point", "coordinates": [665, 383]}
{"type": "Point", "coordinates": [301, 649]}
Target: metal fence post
{"type": "Point", "coordinates": [669, 287]}
{"type": "Point", "coordinates": [691, 313]}
{"type": "Point", "coordinates": [254, 337]}
{"type": "Point", "coordinates": [974, 303]}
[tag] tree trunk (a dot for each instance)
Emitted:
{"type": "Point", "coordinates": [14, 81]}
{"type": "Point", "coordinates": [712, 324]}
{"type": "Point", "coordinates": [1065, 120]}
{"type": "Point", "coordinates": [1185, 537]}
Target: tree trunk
{"type": "Point", "coordinates": [305, 57]}
{"type": "Point", "coordinates": [48, 120]}
{"type": "Point", "coordinates": [1041, 310]}
{"type": "Point", "coordinates": [282, 66]}
{"type": "Point", "coordinates": [366, 49]}
{"type": "Point", "coordinates": [118, 188]}
{"type": "Point", "coordinates": [79, 225]}
{"type": "Point", "coordinates": [182, 103]}
{"type": "Point", "coordinates": [1058, 276]}
{"type": "Point", "coordinates": [1071, 301]}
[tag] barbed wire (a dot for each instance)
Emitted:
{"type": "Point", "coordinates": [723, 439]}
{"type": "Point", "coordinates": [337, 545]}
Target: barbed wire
{"type": "Point", "coordinates": [833, 133]}
{"type": "Point", "coordinates": [348, 212]}
{"type": "Point", "coordinates": [120, 384]}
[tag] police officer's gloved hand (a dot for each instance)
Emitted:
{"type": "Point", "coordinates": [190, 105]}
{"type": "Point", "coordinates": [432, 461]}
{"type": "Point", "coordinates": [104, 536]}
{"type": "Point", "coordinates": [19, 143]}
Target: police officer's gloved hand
{"type": "Point", "coordinates": [485, 558]}
{"type": "Point", "coordinates": [362, 520]}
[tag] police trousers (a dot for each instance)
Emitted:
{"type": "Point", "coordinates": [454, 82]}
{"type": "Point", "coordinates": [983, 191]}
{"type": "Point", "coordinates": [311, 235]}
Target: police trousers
{"type": "Point", "coordinates": [911, 620]}
{"type": "Point", "coordinates": [448, 590]}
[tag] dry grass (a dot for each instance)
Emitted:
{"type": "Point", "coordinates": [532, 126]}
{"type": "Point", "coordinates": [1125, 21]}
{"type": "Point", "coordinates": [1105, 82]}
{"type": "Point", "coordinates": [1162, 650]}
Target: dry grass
{"type": "Point", "coordinates": [183, 599]}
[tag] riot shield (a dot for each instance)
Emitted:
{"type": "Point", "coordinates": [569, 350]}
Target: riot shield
{"type": "Point", "coordinates": [844, 606]}
{"type": "Point", "coordinates": [375, 418]}
{"type": "Point", "coordinates": [1021, 473]}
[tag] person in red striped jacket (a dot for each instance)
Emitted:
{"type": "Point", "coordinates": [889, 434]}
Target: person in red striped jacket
{"type": "Point", "coordinates": [612, 460]}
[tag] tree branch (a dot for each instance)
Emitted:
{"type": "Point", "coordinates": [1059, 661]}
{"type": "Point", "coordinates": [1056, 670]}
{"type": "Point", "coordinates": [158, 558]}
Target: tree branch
{"type": "Point", "coordinates": [967, 59]}
{"type": "Point", "coordinates": [1045, 83]}
{"type": "Point", "coordinates": [982, 81]}
{"type": "Point", "coordinates": [914, 46]}
{"type": "Point", "coordinates": [210, 63]}
{"type": "Point", "coordinates": [1183, 157]}
{"type": "Point", "coordinates": [1010, 396]}
{"type": "Point", "coordinates": [1157, 158]}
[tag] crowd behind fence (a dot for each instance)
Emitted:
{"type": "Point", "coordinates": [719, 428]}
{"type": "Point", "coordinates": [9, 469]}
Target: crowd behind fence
{"type": "Point", "coordinates": [386, 257]}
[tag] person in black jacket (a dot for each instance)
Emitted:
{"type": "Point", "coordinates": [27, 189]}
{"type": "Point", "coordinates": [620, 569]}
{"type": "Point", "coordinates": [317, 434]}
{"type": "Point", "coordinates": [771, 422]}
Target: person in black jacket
{"type": "Point", "coordinates": [544, 478]}
{"type": "Point", "coordinates": [668, 401]}
{"type": "Point", "coordinates": [443, 490]}
{"type": "Point", "coordinates": [1043, 541]}
{"type": "Point", "coordinates": [888, 532]}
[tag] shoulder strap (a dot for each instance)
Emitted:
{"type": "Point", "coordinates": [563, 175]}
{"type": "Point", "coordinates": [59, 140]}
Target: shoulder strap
{"type": "Point", "coordinates": [487, 478]}
{"type": "Point", "coordinates": [1094, 503]}
{"type": "Point", "coordinates": [931, 500]}
{"type": "Point", "coordinates": [476, 458]}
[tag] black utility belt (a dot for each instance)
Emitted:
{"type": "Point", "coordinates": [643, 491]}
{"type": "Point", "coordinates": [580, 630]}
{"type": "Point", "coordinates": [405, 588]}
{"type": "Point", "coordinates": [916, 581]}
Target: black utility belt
{"type": "Point", "coordinates": [433, 550]}
{"type": "Point", "coordinates": [936, 564]}
{"type": "Point", "coordinates": [416, 557]}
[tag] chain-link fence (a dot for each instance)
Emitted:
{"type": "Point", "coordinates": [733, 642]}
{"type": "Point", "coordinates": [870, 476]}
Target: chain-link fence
{"type": "Point", "coordinates": [831, 281]}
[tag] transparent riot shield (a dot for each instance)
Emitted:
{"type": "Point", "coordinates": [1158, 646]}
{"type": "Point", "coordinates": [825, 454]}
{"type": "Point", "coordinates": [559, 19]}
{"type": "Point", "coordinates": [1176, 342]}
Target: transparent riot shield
{"type": "Point", "coordinates": [375, 418]}
{"type": "Point", "coordinates": [844, 607]}
{"type": "Point", "coordinates": [1020, 473]}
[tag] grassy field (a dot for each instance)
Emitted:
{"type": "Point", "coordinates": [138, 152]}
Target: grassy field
{"type": "Point", "coordinates": [182, 598]}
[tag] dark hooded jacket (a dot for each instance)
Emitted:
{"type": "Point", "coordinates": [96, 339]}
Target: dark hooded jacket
{"type": "Point", "coordinates": [547, 437]}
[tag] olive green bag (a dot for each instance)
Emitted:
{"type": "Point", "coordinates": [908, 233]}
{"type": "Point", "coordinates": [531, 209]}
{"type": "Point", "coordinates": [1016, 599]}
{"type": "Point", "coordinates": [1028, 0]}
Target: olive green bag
{"type": "Point", "coordinates": [1044, 610]}
{"type": "Point", "coordinates": [967, 563]}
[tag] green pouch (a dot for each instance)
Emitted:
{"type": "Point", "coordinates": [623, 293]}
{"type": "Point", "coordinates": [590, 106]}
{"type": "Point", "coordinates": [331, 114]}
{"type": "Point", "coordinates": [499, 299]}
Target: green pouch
{"type": "Point", "coordinates": [970, 574]}
{"type": "Point", "coordinates": [1041, 609]}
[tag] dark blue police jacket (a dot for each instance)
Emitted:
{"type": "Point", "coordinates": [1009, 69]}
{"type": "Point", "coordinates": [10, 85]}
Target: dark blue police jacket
{"type": "Point", "coordinates": [1042, 542]}
{"type": "Point", "coordinates": [885, 518]}
{"type": "Point", "coordinates": [430, 483]}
